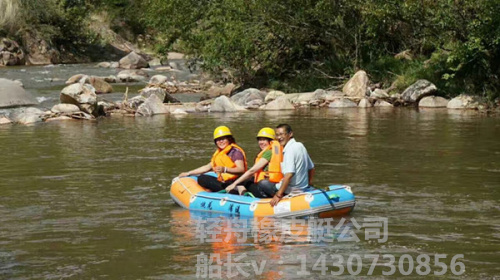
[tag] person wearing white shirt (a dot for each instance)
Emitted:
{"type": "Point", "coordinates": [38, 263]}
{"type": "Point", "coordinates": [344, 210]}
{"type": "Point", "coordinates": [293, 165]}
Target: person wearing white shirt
{"type": "Point", "coordinates": [297, 167]}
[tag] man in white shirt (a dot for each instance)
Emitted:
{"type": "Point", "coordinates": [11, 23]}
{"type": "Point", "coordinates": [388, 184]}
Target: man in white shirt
{"type": "Point", "coordinates": [297, 167]}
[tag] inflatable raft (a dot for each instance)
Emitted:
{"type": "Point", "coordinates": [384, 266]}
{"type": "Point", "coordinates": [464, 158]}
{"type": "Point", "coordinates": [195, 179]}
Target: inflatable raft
{"type": "Point", "coordinates": [338, 200]}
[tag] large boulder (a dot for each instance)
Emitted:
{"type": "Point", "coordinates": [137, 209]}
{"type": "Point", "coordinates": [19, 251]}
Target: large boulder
{"type": "Point", "coordinates": [463, 101]}
{"type": "Point", "coordinates": [357, 86]}
{"type": "Point", "coordinates": [379, 94]}
{"type": "Point", "coordinates": [418, 90]}
{"type": "Point", "coordinates": [161, 93]}
{"type": "Point", "coordinates": [333, 95]}
{"type": "Point", "coordinates": [248, 97]}
{"type": "Point", "coordinates": [433, 102]}
{"type": "Point", "coordinates": [224, 104]}
{"type": "Point", "coordinates": [364, 103]}
{"type": "Point", "coordinates": [13, 95]}
{"type": "Point", "coordinates": [83, 96]}
{"type": "Point", "coordinates": [281, 103]}
{"type": "Point", "coordinates": [343, 103]}
{"type": "Point", "coordinates": [133, 61]}
{"type": "Point", "coordinates": [273, 95]}
{"type": "Point", "coordinates": [132, 76]}
{"type": "Point", "coordinates": [76, 78]}
{"type": "Point", "coordinates": [100, 85]}
{"type": "Point", "coordinates": [301, 98]}
{"type": "Point", "coordinates": [153, 105]}
{"type": "Point", "coordinates": [38, 50]}
{"type": "Point", "coordinates": [10, 53]}
{"type": "Point", "coordinates": [215, 90]}
{"type": "Point", "coordinates": [27, 115]}
{"type": "Point", "coordinates": [65, 108]}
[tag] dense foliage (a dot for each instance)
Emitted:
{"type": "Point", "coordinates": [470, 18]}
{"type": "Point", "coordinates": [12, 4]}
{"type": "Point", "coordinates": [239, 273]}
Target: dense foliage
{"type": "Point", "coordinates": [308, 44]}
{"type": "Point", "coordinates": [297, 45]}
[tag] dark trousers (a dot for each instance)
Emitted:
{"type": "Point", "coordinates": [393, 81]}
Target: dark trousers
{"type": "Point", "coordinates": [263, 189]}
{"type": "Point", "coordinates": [211, 183]}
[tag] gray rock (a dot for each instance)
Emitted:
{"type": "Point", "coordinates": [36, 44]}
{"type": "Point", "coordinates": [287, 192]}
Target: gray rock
{"type": "Point", "coordinates": [115, 64]}
{"type": "Point", "coordinates": [111, 79]}
{"type": "Point", "coordinates": [319, 95]}
{"type": "Point", "coordinates": [19, 82]}
{"type": "Point", "coordinates": [418, 90]}
{"type": "Point", "coordinates": [104, 64]}
{"type": "Point", "coordinates": [333, 95]}
{"type": "Point", "coordinates": [273, 95]}
{"type": "Point", "coordinates": [100, 85]}
{"type": "Point", "coordinates": [382, 103]}
{"type": "Point", "coordinates": [135, 102]}
{"type": "Point", "coordinates": [152, 106]}
{"type": "Point", "coordinates": [179, 111]}
{"type": "Point", "coordinates": [158, 79]}
{"type": "Point", "coordinates": [247, 96]}
{"type": "Point", "coordinates": [132, 76]}
{"type": "Point", "coordinates": [216, 90]}
{"type": "Point", "coordinates": [133, 61]}
{"type": "Point", "coordinates": [27, 115]}
{"type": "Point", "coordinates": [83, 96]}
{"type": "Point", "coordinates": [433, 102]}
{"type": "Point", "coordinates": [357, 86]}
{"type": "Point", "coordinates": [59, 118]}
{"type": "Point", "coordinates": [343, 103]}
{"type": "Point", "coordinates": [281, 103]}
{"type": "Point", "coordinates": [147, 92]}
{"type": "Point", "coordinates": [65, 108]}
{"type": "Point", "coordinates": [379, 93]}
{"type": "Point", "coordinates": [161, 93]}
{"type": "Point", "coordinates": [75, 79]}
{"type": "Point", "coordinates": [224, 104]}
{"type": "Point", "coordinates": [364, 103]}
{"type": "Point", "coordinates": [4, 120]}
{"type": "Point", "coordinates": [463, 101]}
{"type": "Point", "coordinates": [301, 98]}
{"type": "Point", "coordinates": [13, 95]}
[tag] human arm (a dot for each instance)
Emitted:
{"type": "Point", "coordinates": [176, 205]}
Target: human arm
{"type": "Point", "coordinates": [310, 175]}
{"type": "Point", "coordinates": [200, 170]}
{"type": "Point", "coordinates": [250, 172]}
{"type": "Point", "coordinates": [284, 185]}
{"type": "Point", "coordinates": [238, 169]}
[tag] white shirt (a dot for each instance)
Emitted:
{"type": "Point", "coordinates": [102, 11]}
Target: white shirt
{"type": "Point", "coordinates": [296, 160]}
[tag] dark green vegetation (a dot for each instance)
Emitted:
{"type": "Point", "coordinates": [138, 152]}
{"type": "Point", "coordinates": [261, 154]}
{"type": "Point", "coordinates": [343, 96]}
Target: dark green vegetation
{"type": "Point", "coordinates": [302, 45]}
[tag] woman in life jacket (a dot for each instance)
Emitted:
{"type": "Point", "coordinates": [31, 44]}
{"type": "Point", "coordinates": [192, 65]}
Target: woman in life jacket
{"type": "Point", "coordinates": [266, 171]}
{"type": "Point", "coordinates": [229, 162]}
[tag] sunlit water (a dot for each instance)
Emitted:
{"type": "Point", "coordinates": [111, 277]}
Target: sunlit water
{"type": "Point", "coordinates": [91, 199]}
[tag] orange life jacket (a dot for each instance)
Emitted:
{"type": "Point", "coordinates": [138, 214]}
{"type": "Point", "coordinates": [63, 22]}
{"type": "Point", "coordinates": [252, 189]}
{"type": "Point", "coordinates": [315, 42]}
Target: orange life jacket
{"type": "Point", "coordinates": [273, 173]}
{"type": "Point", "coordinates": [220, 158]}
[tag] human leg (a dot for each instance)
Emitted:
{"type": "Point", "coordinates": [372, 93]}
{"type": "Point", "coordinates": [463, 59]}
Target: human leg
{"type": "Point", "coordinates": [210, 182]}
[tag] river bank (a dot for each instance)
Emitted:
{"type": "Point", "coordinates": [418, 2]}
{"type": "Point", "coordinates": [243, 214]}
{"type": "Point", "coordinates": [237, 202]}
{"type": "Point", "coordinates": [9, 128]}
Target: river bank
{"type": "Point", "coordinates": [174, 89]}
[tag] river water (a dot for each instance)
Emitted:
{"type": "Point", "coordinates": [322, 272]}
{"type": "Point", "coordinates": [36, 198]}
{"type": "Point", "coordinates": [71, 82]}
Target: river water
{"type": "Point", "coordinates": [88, 200]}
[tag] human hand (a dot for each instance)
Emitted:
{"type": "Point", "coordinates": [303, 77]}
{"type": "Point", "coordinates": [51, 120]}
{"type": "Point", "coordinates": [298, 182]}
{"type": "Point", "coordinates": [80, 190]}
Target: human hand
{"type": "Point", "coordinates": [220, 169]}
{"type": "Point", "coordinates": [230, 187]}
{"type": "Point", "coordinates": [275, 200]}
{"type": "Point", "coordinates": [184, 174]}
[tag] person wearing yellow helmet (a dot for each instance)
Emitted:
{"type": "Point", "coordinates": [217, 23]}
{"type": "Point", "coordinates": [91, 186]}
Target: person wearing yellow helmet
{"type": "Point", "coordinates": [228, 162]}
{"type": "Point", "coordinates": [266, 171]}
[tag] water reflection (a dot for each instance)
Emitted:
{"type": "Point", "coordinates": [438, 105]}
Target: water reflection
{"type": "Point", "coordinates": [222, 239]}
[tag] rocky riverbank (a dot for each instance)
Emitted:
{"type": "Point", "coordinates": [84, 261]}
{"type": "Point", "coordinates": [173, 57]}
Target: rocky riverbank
{"type": "Point", "coordinates": [80, 98]}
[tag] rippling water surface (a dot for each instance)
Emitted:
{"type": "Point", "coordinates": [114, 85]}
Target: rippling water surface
{"type": "Point", "coordinates": [91, 199]}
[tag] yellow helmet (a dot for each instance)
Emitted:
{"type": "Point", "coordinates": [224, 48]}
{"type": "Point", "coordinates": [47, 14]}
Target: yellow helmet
{"type": "Point", "coordinates": [267, 132]}
{"type": "Point", "coordinates": [222, 131]}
